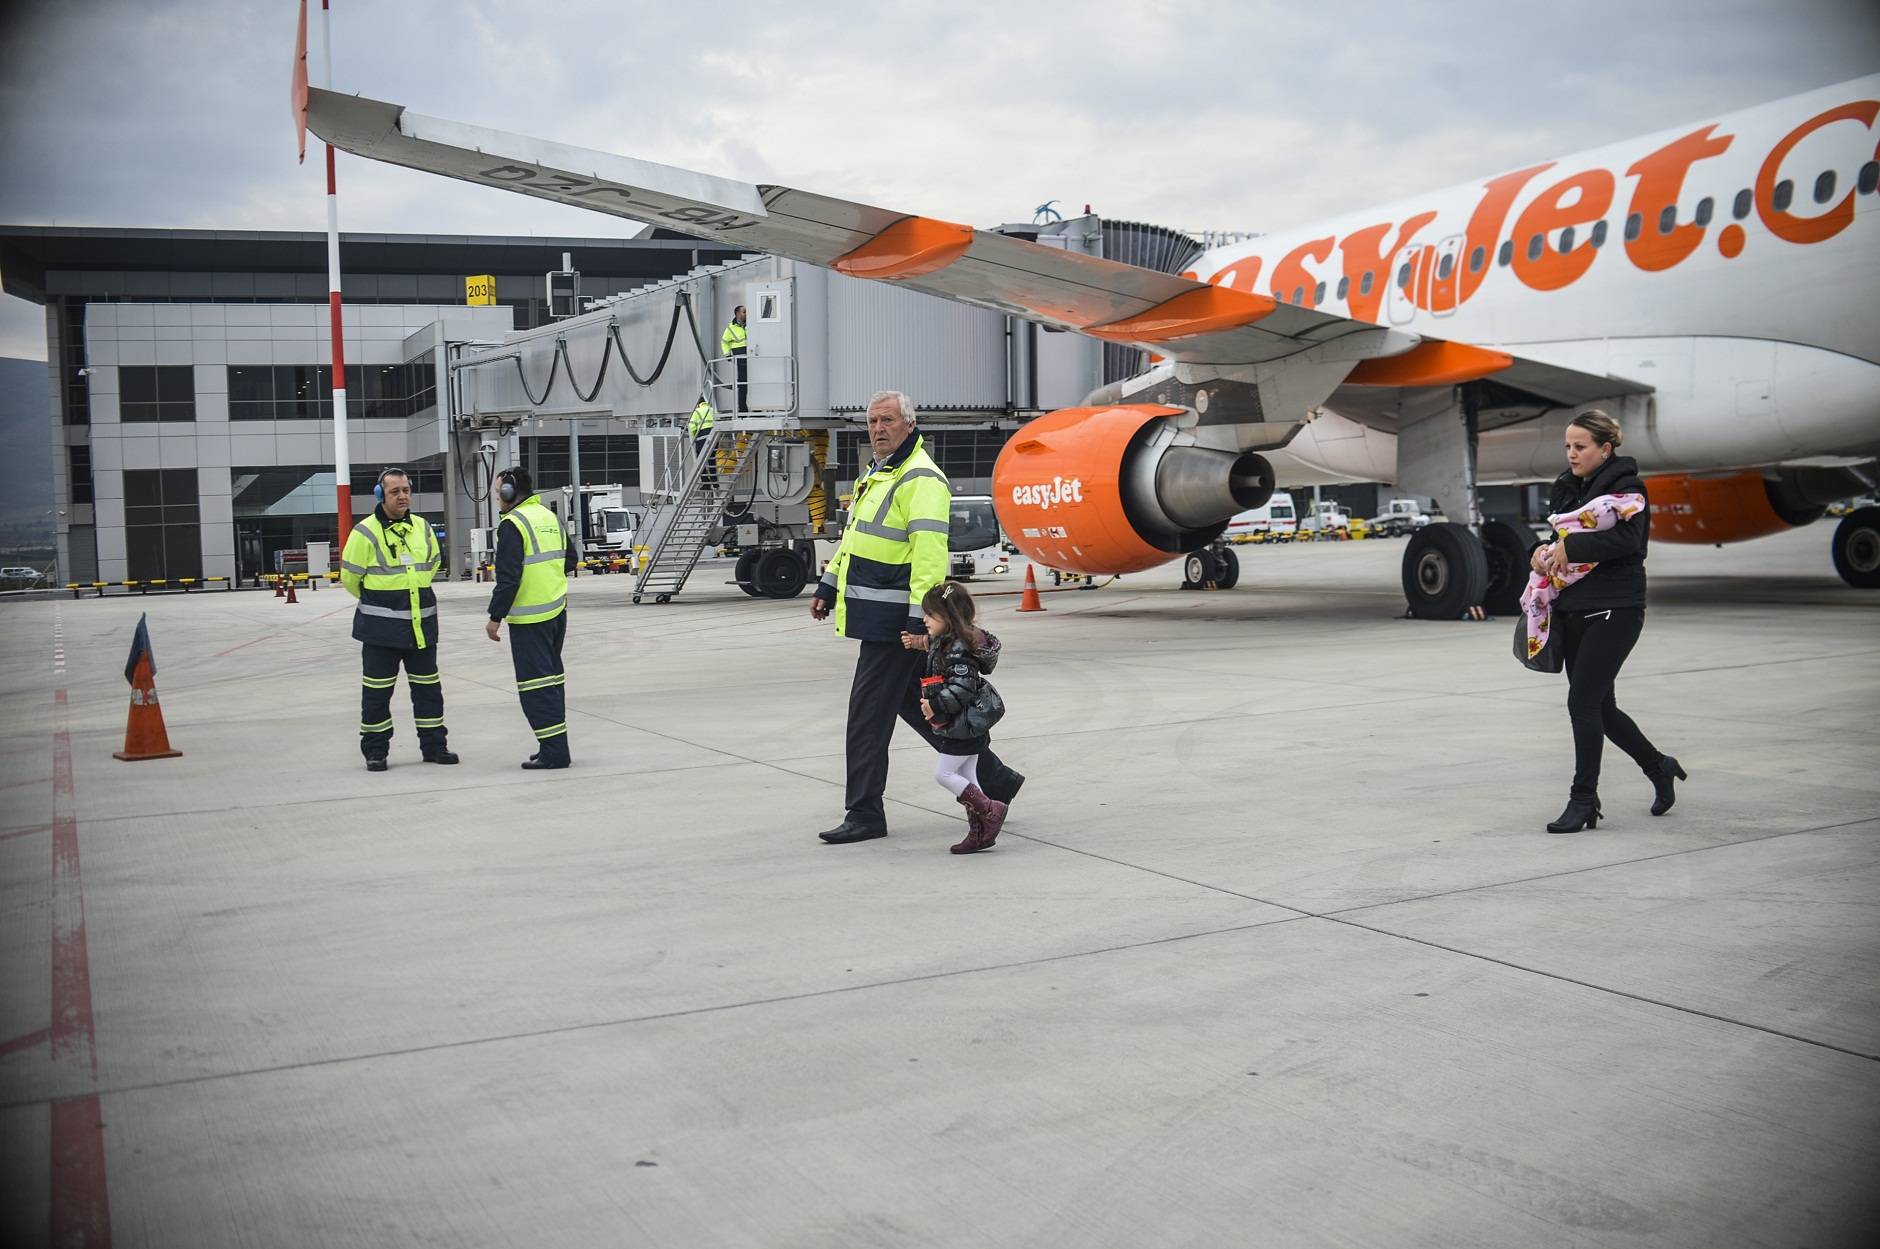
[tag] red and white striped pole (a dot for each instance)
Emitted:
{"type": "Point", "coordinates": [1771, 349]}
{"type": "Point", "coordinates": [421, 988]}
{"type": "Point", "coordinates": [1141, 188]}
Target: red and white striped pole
{"type": "Point", "coordinates": [342, 458]}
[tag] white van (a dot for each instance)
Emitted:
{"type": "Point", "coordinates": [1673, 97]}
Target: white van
{"type": "Point", "coordinates": [1277, 516]}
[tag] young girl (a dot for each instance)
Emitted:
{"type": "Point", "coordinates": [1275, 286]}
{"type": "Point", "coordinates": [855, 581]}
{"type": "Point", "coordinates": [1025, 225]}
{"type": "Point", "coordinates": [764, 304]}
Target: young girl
{"type": "Point", "coordinates": [959, 655]}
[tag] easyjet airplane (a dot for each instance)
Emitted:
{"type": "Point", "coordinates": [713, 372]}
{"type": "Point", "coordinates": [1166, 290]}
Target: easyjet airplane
{"type": "Point", "coordinates": [1713, 285]}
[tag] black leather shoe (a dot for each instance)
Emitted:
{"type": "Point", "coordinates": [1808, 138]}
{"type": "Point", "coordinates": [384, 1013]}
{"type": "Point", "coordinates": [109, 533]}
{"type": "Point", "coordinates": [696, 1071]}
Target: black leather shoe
{"type": "Point", "coordinates": [441, 756]}
{"type": "Point", "coordinates": [1661, 781]}
{"type": "Point", "coordinates": [535, 763]}
{"type": "Point", "coordinates": [848, 830]}
{"type": "Point", "coordinates": [1580, 813]}
{"type": "Point", "coordinates": [377, 765]}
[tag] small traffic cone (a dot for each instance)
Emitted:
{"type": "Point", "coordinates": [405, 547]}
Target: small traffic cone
{"type": "Point", "coordinates": [290, 593]}
{"type": "Point", "coordinates": [280, 589]}
{"type": "Point", "coordinates": [1030, 602]}
{"type": "Point", "coordinates": [144, 734]}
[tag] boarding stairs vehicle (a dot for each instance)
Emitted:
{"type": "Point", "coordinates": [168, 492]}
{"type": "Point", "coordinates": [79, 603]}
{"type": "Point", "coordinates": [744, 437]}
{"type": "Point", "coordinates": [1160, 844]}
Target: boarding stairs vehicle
{"type": "Point", "coordinates": [692, 520]}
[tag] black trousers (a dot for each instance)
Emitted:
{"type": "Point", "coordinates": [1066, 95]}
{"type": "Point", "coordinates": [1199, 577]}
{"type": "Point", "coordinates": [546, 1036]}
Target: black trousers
{"type": "Point", "coordinates": [887, 686]}
{"type": "Point", "coordinates": [540, 682]}
{"type": "Point", "coordinates": [1594, 646]}
{"type": "Point", "coordinates": [709, 476]}
{"type": "Point", "coordinates": [379, 666]}
{"type": "Point", "coordinates": [744, 376]}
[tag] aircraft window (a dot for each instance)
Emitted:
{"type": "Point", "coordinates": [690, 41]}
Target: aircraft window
{"type": "Point", "coordinates": [1668, 219]}
{"type": "Point", "coordinates": [1476, 259]}
{"type": "Point", "coordinates": [1740, 209]}
{"type": "Point", "coordinates": [1598, 238]}
{"type": "Point", "coordinates": [1704, 207]}
{"type": "Point", "coordinates": [1299, 294]}
{"type": "Point", "coordinates": [1566, 240]}
{"type": "Point", "coordinates": [1403, 275]}
{"type": "Point", "coordinates": [1869, 177]}
{"type": "Point", "coordinates": [1824, 187]}
{"type": "Point", "coordinates": [1784, 196]}
{"type": "Point", "coordinates": [1365, 283]}
{"type": "Point", "coordinates": [1344, 287]}
{"type": "Point", "coordinates": [1633, 225]}
{"type": "Point", "coordinates": [1534, 247]}
{"type": "Point", "coordinates": [1318, 294]}
{"type": "Point", "coordinates": [1506, 254]}
{"type": "Point", "coordinates": [1445, 267]}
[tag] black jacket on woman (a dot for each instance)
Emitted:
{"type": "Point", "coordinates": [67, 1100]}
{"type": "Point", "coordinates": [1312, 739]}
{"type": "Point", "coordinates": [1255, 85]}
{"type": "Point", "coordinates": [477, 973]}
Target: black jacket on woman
{"type": "Point", "coordinates": [1619, 552]}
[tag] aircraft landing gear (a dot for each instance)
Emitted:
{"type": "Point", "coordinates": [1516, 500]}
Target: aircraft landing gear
{"type": "Point", "coordinates": [1506, 546]}
{"type": "Point", "coordinates": [1214, 567]}
{"type": "Point", "coordinates": [1857, 548]}
{"type": "Point", "coordinates": [1445, 572]}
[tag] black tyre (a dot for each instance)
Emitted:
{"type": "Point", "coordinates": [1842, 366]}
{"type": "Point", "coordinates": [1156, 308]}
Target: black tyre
{"type": "Point", "coordinates": [1506, 547]}
{"type": "Point", "coordinates": [780, 574]}
{"type": "Point", "coordinates": [1445, 572]}
{"type": "Point", "coordinates": [1857, 548]}
{"type": "Point", "coordinates": [745, 573]}
{"type": "Point", "coordinates": [1227, 570]}
{"type": "Point", "coordinates": [1198, 569]}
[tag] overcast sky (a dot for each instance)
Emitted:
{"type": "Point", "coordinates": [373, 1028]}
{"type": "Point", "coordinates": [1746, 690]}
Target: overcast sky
{"type": "Point", "coordinates": [1217, 115]}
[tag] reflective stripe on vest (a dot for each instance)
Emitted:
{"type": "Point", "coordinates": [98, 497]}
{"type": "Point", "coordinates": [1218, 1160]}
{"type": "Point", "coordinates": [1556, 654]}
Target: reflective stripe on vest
{"type": "Point", "coordinates": [895, 549]}
{"type": "Point", "coordinates": [543, 592]}
{"type": "Point", "coordinates": [392, 563]}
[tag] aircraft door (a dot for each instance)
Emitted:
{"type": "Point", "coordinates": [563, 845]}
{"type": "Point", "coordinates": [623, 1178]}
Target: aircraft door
{"type": "Point", "coordinates": [1443, 278]}
{"type": "Point", "coordinates": [1406, 279]}
{"type": "Point", "coordinates": [772, 324]}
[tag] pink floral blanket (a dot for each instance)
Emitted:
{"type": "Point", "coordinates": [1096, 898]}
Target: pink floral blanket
{"type": "Point", "coordinates": [1537, 601]}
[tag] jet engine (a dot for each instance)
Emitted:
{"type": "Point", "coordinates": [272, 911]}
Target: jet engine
{"type": "Point", "coordinates": [1739, 506]}
{"type": "Point", "coordinates": [1112, 490]}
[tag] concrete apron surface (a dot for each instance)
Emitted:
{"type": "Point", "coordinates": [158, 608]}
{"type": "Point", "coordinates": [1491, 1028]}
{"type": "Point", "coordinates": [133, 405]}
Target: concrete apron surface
{"type": "Point", "coordinates": [1274, 950]}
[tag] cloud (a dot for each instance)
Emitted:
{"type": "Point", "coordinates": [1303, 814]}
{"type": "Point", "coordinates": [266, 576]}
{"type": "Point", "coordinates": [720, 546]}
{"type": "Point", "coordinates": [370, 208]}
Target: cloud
{"type": "Point", "coordinates": [1251, 117]}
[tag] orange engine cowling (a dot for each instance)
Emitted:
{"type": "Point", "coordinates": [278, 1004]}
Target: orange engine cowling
{"type": "Point", "coordinates": [1109, 490]}
{"type": "Point", "coordinates": [1716, 510]}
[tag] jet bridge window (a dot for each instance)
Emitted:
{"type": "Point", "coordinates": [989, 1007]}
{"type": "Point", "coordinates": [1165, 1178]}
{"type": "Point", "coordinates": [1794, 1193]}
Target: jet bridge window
{"type": "Point", "coordinates": [1633, 225]}
{"type": "Point", "coordinates": [1824, 187]}
{"type": "Point", "coordinates": [1784, 196]}
{"type": "Point", "coordinates": [1869, 177]}
{"type": "Point", "coordinates": [1745, 199]}
{"type": "Point", "coordinates": [1704, 208]}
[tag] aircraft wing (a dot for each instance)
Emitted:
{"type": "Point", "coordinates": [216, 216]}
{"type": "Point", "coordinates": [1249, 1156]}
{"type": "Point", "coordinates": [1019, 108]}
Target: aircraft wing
{"type": "Point", "coordinates": [1177, 318]}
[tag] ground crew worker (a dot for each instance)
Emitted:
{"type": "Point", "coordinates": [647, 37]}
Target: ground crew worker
{"type": "Point", "coordinates": [893, 551]}
{"type": "Point", "coordinates": [734, 342]}
{"type": "Point", "coordinates": [699, 427]}
{"type": "Point", "coordinates": [387, 564]}
{"type": "Point", "coordinates": [533, 557]}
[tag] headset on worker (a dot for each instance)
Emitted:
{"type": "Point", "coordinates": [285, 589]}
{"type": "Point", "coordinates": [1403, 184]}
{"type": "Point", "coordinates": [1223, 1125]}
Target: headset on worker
{"type": "Point", "coordinates": [513, 485]}
{"type": "Point", "coordinates": [378, 487]}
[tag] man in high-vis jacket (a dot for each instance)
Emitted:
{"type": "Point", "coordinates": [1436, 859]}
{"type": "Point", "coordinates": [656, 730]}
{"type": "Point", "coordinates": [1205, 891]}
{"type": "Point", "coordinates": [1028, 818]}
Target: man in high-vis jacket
{"type": "Point", "coordinates": [533, 557]}
{"type": "Point", "coordinates": [735, 342]}
{"type": "Point", "coordinates": [699, 429]}
{"type": "Point", "coordinates": [387, 564]}
{"type": "Point", "coordinates": [893, 551]}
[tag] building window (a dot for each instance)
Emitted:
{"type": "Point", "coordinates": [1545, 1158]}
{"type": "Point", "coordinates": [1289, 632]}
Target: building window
{"type": "Point", "coordinates": [76, 388]}
{"type": "Point", "coordinates": [161, 392]}
{"type": "Point", "coordinates": [78, 470]}
{"type": "Point", "coordinates": [606, 460]}
{"type": "Point", "coordinates": [162, 524]}
{"type": "Point", "coordinates": [423, 480]}
{"type": "Point", "coordinates": [1745, 199]}
{"type": "Point", "coordinates": [966, 453]}
{"type": "Point", "coordinates": [304, 392]}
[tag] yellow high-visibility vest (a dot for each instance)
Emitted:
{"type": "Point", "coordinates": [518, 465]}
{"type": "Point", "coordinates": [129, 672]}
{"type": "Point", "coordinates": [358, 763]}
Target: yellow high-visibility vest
{"type": "Point", "coordinates": [388, 568]}
{"type": "Point", "coordinates": [733, 339]}
{"type": "Point", "coordinates": [894, 549]}
{"type": "Point", "coordinates": [702, 419]}
{"type": "Point", "coordinates": [543, 594]}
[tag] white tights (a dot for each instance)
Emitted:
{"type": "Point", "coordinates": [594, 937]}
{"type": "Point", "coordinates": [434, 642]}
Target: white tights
{"type": "Point", "coordinates": [956, 772]}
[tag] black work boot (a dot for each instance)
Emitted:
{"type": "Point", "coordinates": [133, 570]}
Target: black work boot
{"type": "Point", "coordinates": [1661, 781]}
{"type": "Point", "coordinates": [1582, 812]}
{"type": "Point", "coordinates": [440, 756]}
{"type": "Point", "coordinates": [848, 831]}
{"type": "Point", "coordinates": [378, 765]}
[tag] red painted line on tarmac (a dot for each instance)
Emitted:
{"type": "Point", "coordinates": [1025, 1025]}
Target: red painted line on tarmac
{"type": "Point", "coordinates": [250, 642]}
{"type": "Point", "coordinates": [58, 698]}
{"type": "Point", "coordinates": [26, 1042]}
{"type": "Point", "coordinates": [81, 1211]}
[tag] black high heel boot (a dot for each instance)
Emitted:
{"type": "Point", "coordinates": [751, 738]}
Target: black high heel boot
{"type": "Point", "coordinates": [1661, 781]}
{"type": "Point", "coordinates": [1580, 813]}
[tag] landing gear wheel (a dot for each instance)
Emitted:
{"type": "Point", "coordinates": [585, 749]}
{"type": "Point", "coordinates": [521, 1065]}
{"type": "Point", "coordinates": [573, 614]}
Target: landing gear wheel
{"type": "Point", "coordinates": [1445, 572]}
{"type": "Point", "coordinates": [780, 574]}
{"type": "Point", "coordinates": [1506, 547]}
{"type": "Point", "coordinates": [1227, 570]}
{"type": "Point", "coordinates": [1199, 568]}
{"type": "Point", "coordinates": [745, 573]}
{"type": "Point", "coordinates": [1857, 548]}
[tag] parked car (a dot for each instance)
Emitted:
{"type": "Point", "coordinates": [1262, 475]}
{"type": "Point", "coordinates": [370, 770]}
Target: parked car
{"type": "Point", "coordinates": [19, 573]}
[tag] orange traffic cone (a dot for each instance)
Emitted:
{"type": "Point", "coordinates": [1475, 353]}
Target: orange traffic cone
{"type": "Point", "coordinates": [1030, 602]}
{"type": "Point", "coordinates": [144, 734]}
{"type": "Point", "coordinates": [291, 597]}
{"type": "Point", "coordinates": [280, 589]}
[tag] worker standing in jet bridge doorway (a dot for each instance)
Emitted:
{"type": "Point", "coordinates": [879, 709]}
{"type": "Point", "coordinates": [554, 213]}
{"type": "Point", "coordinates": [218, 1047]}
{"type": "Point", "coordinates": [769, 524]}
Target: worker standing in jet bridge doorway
{"type": "Point", "coordinates": [533, 557]}
{"type": "Point", "coordinates": [387, 564]}
{"type": "Point", "coordinates": [734, 342]}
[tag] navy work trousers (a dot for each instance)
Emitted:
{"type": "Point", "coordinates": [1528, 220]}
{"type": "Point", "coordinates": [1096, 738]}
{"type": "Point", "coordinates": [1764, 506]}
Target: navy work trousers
{"type": "Point", "coordinates": [379, 677]}
{"type": "Point", "coordinates": [540, 683]}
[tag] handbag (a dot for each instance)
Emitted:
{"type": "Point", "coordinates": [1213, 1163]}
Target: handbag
{"type": "Point", "coordinates": [1547, 658]}
{"type": "Point", "coordinates": [986, 710]}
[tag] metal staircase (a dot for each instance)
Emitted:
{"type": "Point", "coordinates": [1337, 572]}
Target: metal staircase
{"type": "Point", "coordinates": [684, 526]}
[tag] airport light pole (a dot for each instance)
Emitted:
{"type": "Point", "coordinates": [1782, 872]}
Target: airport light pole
{"type": "Point", "coordinates": [342, 457]}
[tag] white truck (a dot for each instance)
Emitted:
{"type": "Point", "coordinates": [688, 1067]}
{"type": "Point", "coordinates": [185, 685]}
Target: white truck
{"type": "Point", "coordinates": [973, 538]}
{"type": "Point", "coordinates": [1277, 516]}
{"type": "Point", "coordinates": [1330, 518]}
{"type": "Point", "coordinates": [1402, 517]}
{"type": "Point", "coordinates": [608, 524]}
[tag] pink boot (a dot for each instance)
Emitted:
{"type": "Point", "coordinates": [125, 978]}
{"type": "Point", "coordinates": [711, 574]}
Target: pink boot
{"type": "Point", "coordinates": [984, 819]}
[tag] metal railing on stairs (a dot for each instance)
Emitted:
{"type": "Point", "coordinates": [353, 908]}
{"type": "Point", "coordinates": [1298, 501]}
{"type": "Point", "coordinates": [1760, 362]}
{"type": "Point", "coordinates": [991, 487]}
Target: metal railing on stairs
{"type": "Point", "coordinates": [683, 527]}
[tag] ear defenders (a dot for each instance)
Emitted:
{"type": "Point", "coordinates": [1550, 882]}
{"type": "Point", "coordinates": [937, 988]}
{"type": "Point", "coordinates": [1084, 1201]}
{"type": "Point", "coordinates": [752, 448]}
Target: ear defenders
{"type": "Point", "coordinates": [378, 488]}
{"type": "Point", "coordinates": [512, 484]}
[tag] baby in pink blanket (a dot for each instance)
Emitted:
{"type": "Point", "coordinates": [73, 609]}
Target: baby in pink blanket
{"type": "Point", "coordinates": [1537, 600]}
